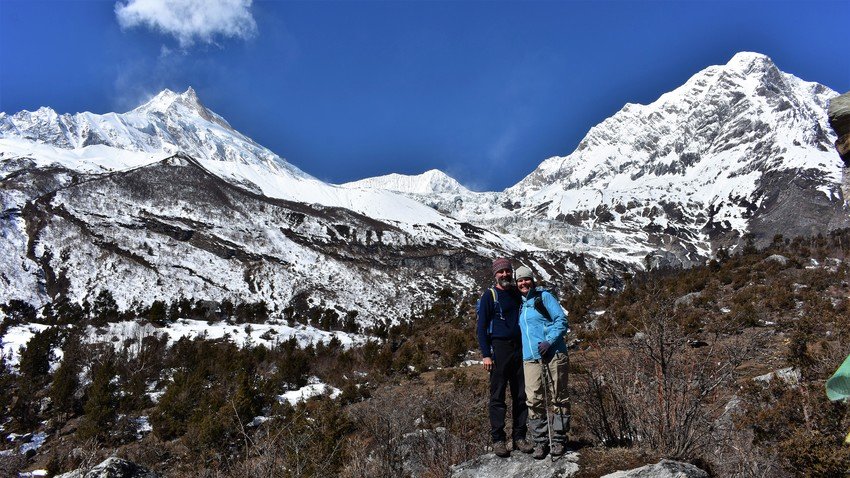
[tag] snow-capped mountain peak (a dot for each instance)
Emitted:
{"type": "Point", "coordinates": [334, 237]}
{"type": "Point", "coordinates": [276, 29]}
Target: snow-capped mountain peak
{"type": "Point", "coordinates": [748, 61]}
{"type": "Point", "coordinates": [166, 124]}
{"type": "Point", "coordinates": [429, 182]}
{"type": "Point", "coordinates": [183, 104]}
{"type": "Point", "coordinates": [711, 157]}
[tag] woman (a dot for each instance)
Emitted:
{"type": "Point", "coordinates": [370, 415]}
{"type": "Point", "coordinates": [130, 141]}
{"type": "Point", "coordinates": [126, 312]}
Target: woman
{"type": "Point", "coordinates": [544, 352]}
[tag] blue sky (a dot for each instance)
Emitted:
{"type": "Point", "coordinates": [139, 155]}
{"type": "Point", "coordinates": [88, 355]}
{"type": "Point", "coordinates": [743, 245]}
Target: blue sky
{"type": "Point", "coordinates": [345, 90]}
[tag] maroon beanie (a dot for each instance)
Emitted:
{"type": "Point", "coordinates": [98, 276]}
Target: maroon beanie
{"type": "Point", "coordinates": [501, 263]}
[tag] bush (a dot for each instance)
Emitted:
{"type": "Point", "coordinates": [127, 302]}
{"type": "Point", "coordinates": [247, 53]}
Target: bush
{"type": "Point", "coordinates": [655, 390]}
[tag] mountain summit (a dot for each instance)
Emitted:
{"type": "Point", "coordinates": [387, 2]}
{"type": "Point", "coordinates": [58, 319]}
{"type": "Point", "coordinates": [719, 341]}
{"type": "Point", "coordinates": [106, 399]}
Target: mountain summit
{"type": "Point", "coordinates": [167, 124]}
{"type": "Point", "coordinates": [739, 149]}
{"type": "Point", "coordinates": [184, 105]}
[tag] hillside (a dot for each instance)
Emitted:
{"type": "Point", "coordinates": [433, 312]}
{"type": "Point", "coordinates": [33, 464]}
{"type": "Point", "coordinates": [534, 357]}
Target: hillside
{"type": "Point", "coordinates": [745, 345]}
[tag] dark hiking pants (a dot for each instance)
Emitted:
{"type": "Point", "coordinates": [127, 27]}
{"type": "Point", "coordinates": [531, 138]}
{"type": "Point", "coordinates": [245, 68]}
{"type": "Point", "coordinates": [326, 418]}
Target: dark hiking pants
{"type": "Point", "coordinates": [507, 372]}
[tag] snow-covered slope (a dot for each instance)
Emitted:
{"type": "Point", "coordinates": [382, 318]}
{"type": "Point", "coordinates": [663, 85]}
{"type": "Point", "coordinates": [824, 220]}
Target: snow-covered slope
{"type": "Point", "coordinates": [171, 123]}
{"type": "Point", "coordinates": [166, 124]}
{"type": "Point", "coordinates": [429, 182]}
{"type": "Point", "coordinates": [704, 162]}
{"type": "Point", "coordinates": [741, 148]}
{"type": "Point", "coordinates": [712, 136]}
{"type": "Point", "coordinates": [102, 202]}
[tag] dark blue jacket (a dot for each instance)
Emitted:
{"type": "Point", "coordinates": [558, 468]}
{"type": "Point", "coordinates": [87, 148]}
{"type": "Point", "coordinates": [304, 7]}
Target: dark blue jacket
{"type": "Point", "coordinates": [497, 319]}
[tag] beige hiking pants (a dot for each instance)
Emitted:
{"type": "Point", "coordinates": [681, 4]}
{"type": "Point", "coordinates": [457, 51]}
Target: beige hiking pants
{"type": "Point", "coordinates": [557, 395]}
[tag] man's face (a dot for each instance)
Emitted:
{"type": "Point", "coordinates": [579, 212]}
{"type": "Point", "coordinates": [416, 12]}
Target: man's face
{"type": "Point", "coordinates": [504, 278]}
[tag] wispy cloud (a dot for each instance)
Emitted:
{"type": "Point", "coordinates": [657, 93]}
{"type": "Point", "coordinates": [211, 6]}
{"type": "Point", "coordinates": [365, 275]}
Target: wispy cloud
{"type": "Point", "coordinates": [190, 21]}
{"type": "Point", "coordinates": [501, 150]}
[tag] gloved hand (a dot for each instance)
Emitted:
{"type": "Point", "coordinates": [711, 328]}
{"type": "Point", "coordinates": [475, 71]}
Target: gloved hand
{"type": "Point", "coordinates": [543, 347]}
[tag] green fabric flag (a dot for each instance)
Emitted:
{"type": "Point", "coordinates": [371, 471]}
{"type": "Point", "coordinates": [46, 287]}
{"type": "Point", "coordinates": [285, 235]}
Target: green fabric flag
{"type": "Point", "coordinates": [838, 386]}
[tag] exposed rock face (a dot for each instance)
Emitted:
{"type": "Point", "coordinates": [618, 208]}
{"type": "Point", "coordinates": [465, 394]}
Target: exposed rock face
{"type": "Point", "coordinates": [518, 465]}
{"type": "Point", "coordinates": [112, 468]}
{"type": "Point", "coordinates": [663, 469]}
{"type": "Point", "coordinates": [839, 120]}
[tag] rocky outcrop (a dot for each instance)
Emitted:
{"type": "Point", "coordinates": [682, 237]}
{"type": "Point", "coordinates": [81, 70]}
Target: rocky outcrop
{"type": "Point", "coordinates": [112, 468]}
{"type": "Point", "coordinates": [518, 465]}
{"type": "Point", "coordinates": [777, 258]}
{"type": "Point", "coordinates": [839, 120]}
{"type": "Point", "coordinates": [663, 469]}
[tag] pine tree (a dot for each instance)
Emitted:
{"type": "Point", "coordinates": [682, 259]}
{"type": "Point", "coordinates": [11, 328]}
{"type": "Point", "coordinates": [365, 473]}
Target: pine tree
{"type": "Point", "coordinates": [65, 380]}
{"type": "Point", "coordinates": [6, 382]}
{"type": "Point", "coordinates": [104, 309]}
{"type": "Point", "coordinates": [101, 404]}
{"type": "Point", "coordinates": [17, 312]}
{"type": "Point", "coordinates": [36, 357]}
{"type": "Point", "coordinates": [157, 313]}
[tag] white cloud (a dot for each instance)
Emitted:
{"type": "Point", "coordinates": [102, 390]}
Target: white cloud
{"type": "Point", "coordinates": [190, 21]}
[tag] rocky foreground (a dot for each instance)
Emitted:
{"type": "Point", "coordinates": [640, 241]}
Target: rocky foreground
{"type": "Point", "coordinates": [519, 465]}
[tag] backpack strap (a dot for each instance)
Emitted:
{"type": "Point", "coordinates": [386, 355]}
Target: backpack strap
{"type": "Point", "coordinates": [498, 308]}
{"type": "Point", "coordinates": [540, 307]}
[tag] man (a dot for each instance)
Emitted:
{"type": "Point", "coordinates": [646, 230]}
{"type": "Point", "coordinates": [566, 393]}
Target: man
{"type": "Point", "coordinates": [545, 363]}
{"type": "Point", "coordinates": [501, 347]}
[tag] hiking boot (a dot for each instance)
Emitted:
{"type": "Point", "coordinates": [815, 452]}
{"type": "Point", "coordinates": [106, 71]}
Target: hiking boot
{"type": "Point", "coordinates": [523, 445]}
{"type": "Point", "coordinates": [501, 450]}
{"type": "Point", "coordinates": [558, 449]}
{"type": "Point", "coordinates": [540, 452]}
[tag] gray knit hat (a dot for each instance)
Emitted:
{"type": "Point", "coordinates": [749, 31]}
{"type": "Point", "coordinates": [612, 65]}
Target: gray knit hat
{"type": "Point", "coordinates": [523, 272]}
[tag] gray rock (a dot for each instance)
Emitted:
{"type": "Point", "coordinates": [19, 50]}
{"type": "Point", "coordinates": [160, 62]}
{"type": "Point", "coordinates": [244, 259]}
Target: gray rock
{"type": "Point", "coordinates": [687, 299]}
{"type": "Point", "coordinates": [782, 260]}
{"type": "Point", "coordinates": [418, 448]}
{"type": "Point", "coordinates": [518, 465]}
{"type": "Point", "coordinates": [662, 469]}
{"type": "Point", "coordinates": [112, 468]}
{"type": "Point", "coordinates": [839, 120]}
{"type": "Point", "coordinates": [789, 375]}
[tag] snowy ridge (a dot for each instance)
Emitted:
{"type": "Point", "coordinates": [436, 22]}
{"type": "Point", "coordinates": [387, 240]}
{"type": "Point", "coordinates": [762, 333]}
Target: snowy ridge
{"type": "Point", "coordinates": [693, 142]}
{"type": "Point", "coordinates": [699, 167]}
{"type": "Point", "coordinates": [433, 181]}
{"type": "Point", "coordinates": [172, 122]}
{"type": "Point", "coordinates": [166, 124]}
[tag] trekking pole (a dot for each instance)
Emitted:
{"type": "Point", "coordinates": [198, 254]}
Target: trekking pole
{"type": "Point", "coordinates": [549, 424]}
{"type": "Point", "coordinates": [547, 374]}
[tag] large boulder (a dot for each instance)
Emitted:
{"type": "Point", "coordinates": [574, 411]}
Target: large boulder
{"type": "Point", "coordinates": [112, 468]}
{"type": "Point", "coordinates": [839, 120]}
{"type": "Point", "coordinates": [662, 469]}
{"type": "Point", "coordinates": [518, 465]}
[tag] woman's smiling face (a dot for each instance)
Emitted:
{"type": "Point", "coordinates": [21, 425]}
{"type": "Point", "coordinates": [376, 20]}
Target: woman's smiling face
{"type": "Point", "coordinates": [525, 284]}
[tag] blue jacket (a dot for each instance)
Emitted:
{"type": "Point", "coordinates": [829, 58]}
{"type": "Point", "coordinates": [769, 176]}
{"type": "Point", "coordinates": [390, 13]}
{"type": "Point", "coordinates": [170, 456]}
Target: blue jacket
{"type": "Point", "coordinates": [498, 319]}
{"type": "Point", "coordinates": [536, 328]}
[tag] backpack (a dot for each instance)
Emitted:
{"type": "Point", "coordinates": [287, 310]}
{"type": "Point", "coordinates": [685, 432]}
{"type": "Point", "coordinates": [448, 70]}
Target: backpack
{"type": "Point", "coordinates": [499, 313]}
{"type": "Point", "coordinates": [539, 306]}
